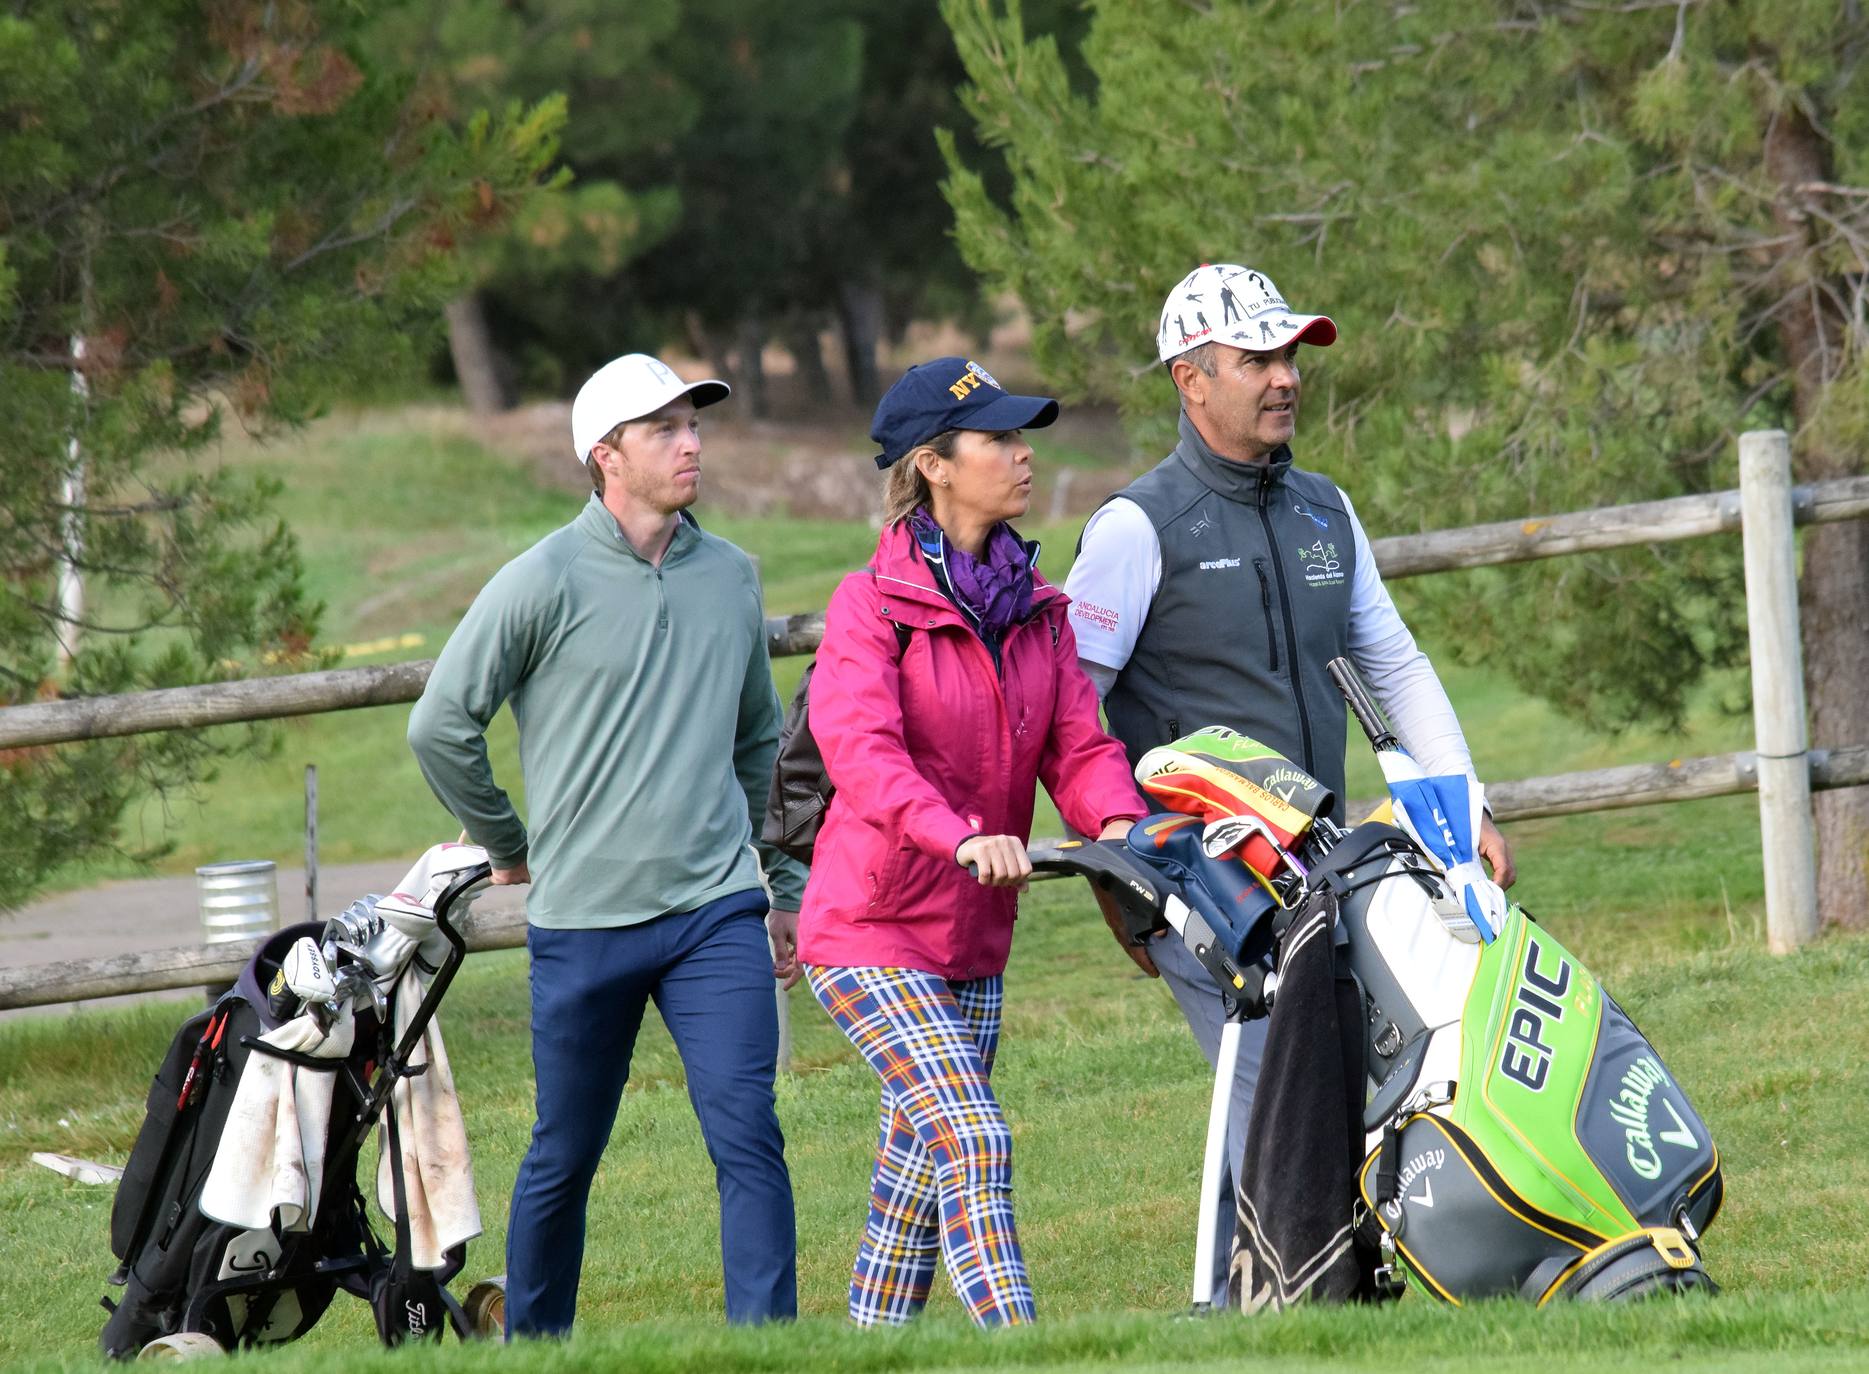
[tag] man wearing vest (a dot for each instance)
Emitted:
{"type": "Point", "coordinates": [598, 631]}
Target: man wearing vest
{"type": "Point", "coordinates": [1213, 590]}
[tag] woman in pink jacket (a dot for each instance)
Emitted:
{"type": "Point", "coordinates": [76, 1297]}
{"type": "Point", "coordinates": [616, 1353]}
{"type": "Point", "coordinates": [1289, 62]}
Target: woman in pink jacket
{"type": "Point", "coordinates": [946, 688]}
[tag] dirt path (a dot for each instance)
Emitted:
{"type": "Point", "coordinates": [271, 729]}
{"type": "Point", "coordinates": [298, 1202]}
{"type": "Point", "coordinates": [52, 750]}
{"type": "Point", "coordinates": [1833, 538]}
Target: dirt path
{"type": "Point", "coordinates": [158, 913]}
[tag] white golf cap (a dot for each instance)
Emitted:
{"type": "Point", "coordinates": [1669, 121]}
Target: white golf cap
{"type": "Point", "coordinates": [1225, 303]}
{"type": "Point", "coordinates": [628, 388]}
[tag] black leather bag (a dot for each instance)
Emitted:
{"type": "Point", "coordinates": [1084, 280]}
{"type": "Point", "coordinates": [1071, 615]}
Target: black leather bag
{"type": "Point", "coordinates": [801, 789]}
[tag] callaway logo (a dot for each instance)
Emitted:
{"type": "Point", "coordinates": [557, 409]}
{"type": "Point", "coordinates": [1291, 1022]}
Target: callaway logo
{"type": "Point", "coordinates": [1288, 782]}
{"type": "Point", "coordinates": [1423, 1164]}
{"type": "Point", "coordinates": [253, 1262]}
{"type": "Point", "coordinates": [1215, 563]}
{"type": "Point", "coordinates": [1630, 1109]}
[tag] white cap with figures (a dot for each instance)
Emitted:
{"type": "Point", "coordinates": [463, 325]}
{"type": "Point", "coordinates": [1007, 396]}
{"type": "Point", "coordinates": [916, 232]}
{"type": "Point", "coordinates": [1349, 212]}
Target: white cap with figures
{"type": "Point", "coordinates": [1224, 303]}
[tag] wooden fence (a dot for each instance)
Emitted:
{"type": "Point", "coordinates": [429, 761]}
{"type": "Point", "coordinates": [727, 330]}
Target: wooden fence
{"type": "Point", "coordinates": [1783, 769]}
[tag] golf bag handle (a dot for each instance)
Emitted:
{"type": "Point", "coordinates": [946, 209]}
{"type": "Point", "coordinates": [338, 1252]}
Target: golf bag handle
{"type": "Point", "coordinates": [464, 881]}
{"type": "Point", "coordinates": [1362, 704]}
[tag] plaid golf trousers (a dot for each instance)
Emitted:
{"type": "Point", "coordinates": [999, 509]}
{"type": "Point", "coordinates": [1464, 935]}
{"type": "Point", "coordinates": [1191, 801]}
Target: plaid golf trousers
{"type": "Point", "coordinates": [943, 1177]}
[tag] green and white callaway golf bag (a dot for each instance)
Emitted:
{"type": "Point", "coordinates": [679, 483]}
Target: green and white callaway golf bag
{"type": "Point", "coordinates": [1521, 1137]}
{"type": "Point", "coordinates": [1524, 1137]}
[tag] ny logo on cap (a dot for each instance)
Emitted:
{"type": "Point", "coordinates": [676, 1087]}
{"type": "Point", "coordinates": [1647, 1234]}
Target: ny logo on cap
{"type": "Point", "coordinates": [974, 377]}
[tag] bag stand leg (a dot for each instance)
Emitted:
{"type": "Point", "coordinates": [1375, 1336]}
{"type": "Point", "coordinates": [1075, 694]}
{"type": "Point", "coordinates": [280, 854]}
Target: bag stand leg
{"type": "Point", "coordinates": [1212, 1165]}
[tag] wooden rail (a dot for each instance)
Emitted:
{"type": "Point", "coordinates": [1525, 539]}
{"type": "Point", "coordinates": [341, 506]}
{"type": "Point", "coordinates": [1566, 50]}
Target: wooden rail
{"type": "Point", "coordinates": [1409, 555]}
{"type": "Point", "coordinates": [1788, 765]}
{"type": "Point", "coordinates": [1604, 789]}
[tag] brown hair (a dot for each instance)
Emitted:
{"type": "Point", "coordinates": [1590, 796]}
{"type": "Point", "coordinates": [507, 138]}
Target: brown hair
{"type": "Point", "coordinates": [613, 438]}
{"type": "Point", "coordinates": [906, 488]}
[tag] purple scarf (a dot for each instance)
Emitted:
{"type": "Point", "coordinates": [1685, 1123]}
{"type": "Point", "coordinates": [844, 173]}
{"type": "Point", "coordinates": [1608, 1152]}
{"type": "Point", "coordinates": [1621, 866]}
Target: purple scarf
{"type": "Point", "coordinates": [995, 589]}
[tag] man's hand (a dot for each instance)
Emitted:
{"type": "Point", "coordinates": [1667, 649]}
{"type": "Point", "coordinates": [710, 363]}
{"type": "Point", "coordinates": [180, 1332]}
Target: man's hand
{"type": "Point", "coordinates": [999, 860]}
{"type": "Point", "coordinates": [1497, 852]}
{"type": "Point", "coordinates": [1116, 830]}
{"type": "Point", "coordinates": [1113, 918]}
{"type": "Point", "coordinates": [782, 927]}
{"type": "Point", "coordinates": [515, 876]}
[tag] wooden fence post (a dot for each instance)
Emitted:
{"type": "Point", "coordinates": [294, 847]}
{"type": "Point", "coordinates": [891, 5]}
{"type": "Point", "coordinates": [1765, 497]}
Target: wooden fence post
{"type": "Point", "coordinates": [1778, 716]}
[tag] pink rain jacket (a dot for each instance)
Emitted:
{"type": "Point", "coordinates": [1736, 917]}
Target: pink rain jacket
{"type": "Point", "coordinates": [927, 746]}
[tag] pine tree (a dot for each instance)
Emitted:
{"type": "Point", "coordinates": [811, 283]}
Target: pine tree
{"type": "Point", "coordinates": [536, 282]}
{"type": "Point", "coordinates": [207, 211]}
{"type": "Point", "coordinates": [1573, 248]}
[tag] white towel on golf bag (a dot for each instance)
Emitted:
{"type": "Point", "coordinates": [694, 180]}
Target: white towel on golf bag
{"type": "Point", "coordinates": [271, 1154]}
{"type": "Point", "coordinates": [437, 1172]}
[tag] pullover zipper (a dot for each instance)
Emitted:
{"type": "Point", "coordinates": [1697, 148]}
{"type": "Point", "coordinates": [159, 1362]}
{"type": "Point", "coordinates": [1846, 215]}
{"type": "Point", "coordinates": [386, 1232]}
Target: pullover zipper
{"type": "Point", "coordinates": [1291, 629]}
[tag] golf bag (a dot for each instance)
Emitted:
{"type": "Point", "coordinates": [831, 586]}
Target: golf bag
{"type": "Point", "coordinates": [192, 1283]}
{"type": "Point", "coordinates": [1520, 1134]}
{"type": "Point", "coordinates": [1523, 1136]}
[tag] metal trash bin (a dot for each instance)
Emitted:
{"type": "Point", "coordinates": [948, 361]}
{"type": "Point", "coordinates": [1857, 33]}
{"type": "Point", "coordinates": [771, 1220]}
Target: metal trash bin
{"type": "Point", "coordinates": [239, 901]}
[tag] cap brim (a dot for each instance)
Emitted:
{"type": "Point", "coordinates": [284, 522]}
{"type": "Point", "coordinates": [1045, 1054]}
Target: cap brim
{"type": "Point", "coordinates": [1262, 335]}
{"type": "Point", "coordinates": [995, 417]}
{"type": "Point", "coordinates": [704, 394]}
{"type": "Point", "coordinates": [1012, 412]}
{"type": "Point", "coordinates": [1320, 331]}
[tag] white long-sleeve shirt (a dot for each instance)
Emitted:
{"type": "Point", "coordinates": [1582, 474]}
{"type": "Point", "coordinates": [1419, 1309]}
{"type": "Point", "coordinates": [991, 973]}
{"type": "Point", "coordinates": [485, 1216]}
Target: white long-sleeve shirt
{"type": "Point", "coordinates": [1119, 568]}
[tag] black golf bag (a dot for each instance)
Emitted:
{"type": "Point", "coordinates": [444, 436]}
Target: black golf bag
{"type": "Point", "coordinates": [189, 1280]}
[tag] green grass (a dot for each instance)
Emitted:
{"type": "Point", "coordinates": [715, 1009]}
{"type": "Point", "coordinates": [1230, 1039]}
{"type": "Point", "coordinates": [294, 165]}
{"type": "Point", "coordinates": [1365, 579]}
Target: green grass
{"type": "Point", "coordinates": [1106, 1095]}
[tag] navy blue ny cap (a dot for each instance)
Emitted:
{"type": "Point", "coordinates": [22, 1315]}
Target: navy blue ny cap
{"type": "Point", "coordinates": [950, 393]}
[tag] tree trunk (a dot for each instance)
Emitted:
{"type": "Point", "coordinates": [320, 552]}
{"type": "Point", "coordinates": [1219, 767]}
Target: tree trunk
{"type": "Point", "coordinates": [1834, 587]}
{"type": "Point", "coordinates": [478, 366]}
{"type": "Point", "coordinates": [801, 341]}
{"type": "Point", "coordinates": [860, 313]}
{"type": "Point", "coordinates": [1833, 594]}
{"type": "Point", "coordinates": [750, 346]}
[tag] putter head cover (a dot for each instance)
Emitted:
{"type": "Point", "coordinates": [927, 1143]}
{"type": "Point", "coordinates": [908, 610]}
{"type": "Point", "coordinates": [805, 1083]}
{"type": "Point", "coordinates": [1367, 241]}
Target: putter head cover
{"type": "Point", "coordinates": [408, 914]}
{"type": "Point", "coordinates": [1217, 774]}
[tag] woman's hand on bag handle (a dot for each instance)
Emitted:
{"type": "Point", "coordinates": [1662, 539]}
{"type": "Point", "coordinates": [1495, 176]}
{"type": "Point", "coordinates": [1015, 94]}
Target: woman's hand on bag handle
{"type": "Point", "coordinates": [996, 860]}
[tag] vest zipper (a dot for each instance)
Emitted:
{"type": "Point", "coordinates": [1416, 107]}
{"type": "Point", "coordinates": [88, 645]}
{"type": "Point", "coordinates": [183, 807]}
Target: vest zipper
{"type": "Point", "coordinates": [1291, 629]}
{"type": "Point", "coordinates": [1265, 603]}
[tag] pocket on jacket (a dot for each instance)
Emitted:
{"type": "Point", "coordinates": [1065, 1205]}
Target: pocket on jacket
{"type": "Point", "coordinates": [883, 886]}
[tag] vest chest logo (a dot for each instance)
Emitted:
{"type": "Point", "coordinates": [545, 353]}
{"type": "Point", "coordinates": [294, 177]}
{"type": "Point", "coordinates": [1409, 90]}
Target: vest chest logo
{"type": "Point", "coordinates": [1214, 564]}
{"type": "Point", "coordinates": [1321, 521]}
{"type": "Point", "coordinates": [1322, 567]}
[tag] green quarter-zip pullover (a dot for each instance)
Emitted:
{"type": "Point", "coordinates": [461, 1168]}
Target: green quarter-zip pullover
{"type": "Point", "coordinates": [647, 720]}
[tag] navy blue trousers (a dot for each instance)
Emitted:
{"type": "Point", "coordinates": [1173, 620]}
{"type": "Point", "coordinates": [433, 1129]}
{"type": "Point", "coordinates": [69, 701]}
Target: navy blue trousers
{"type": "Point", "coordinates": [710, 973]}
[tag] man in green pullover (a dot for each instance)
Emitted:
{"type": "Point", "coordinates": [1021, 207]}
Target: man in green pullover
{"type": "Point", "coordinates": [631, 646]}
